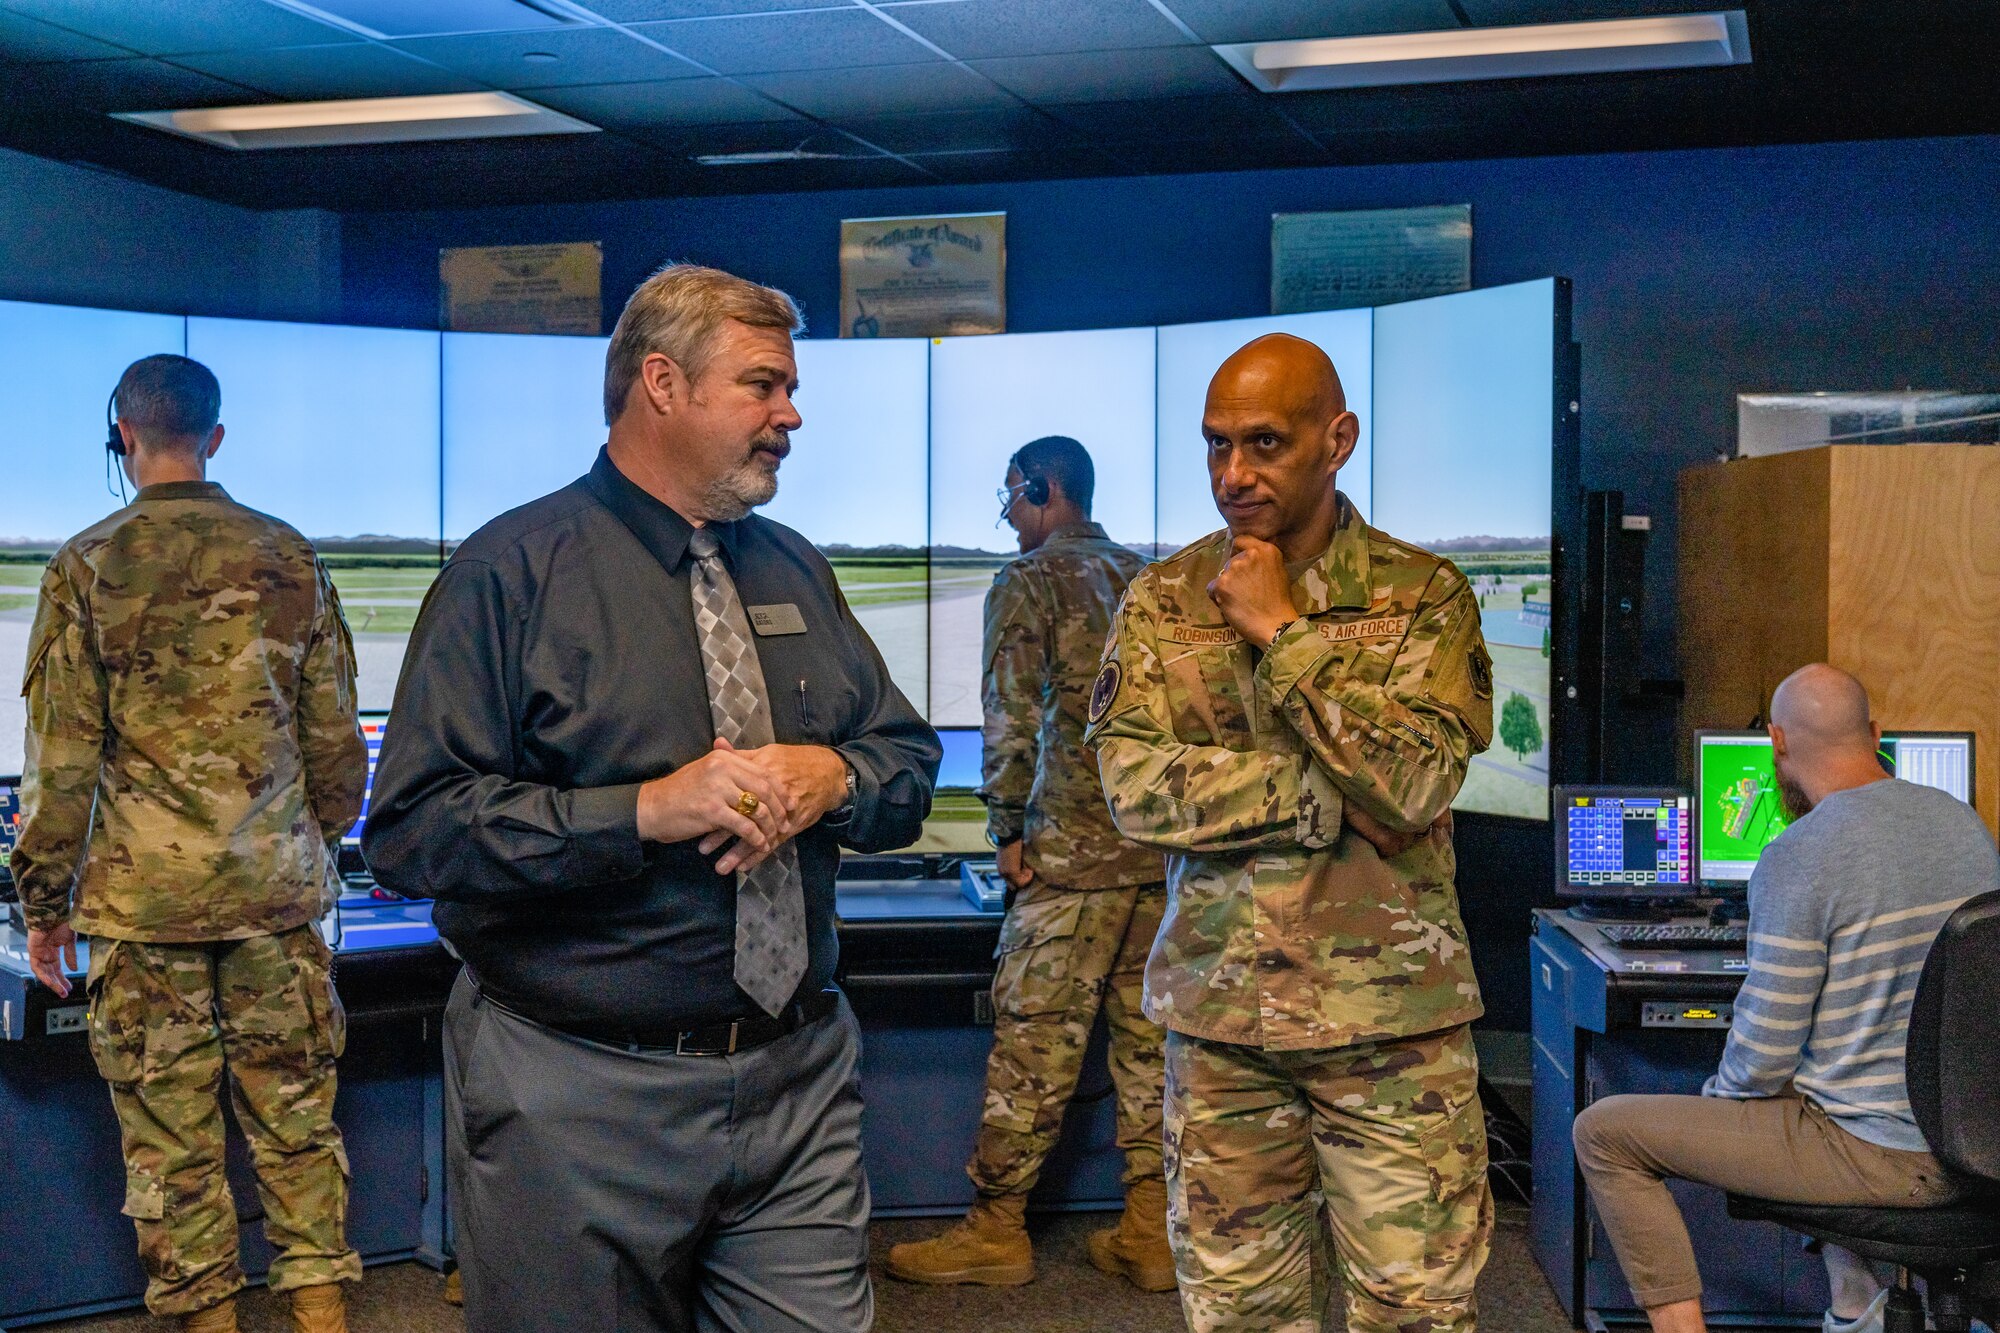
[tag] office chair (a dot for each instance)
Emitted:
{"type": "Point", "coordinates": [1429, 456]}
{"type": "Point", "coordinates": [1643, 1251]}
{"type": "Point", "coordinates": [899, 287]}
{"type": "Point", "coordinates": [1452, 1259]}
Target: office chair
{"type": "Point", "coordinates": [1954, 1047]}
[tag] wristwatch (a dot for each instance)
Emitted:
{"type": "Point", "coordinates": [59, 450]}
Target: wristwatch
{"type": "Point", "coordinates": [1279, 633]}
{"type": "Point", "coordinates": [846, 810]}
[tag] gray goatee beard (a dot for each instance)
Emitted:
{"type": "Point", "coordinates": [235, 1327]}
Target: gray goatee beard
{"type": "Point", "coordinates": [750, 483]}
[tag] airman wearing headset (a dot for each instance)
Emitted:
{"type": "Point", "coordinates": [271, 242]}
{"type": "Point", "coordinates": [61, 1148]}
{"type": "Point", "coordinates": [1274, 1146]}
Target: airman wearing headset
{"type": "Point", "coordinates": [1084, 903]}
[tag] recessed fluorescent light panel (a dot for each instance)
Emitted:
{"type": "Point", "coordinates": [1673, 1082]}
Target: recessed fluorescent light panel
{"type": "Point", "coordinates": [403, 18]}
{"type": "Point", "coordinates": [361, 120]}
{"type": "Point", "coordinates": [1668, 41]}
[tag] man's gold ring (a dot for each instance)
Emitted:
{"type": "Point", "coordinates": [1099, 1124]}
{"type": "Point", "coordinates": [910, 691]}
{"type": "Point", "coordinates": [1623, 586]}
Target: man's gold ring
{"type": "Point", "coordinates": [746, 804]}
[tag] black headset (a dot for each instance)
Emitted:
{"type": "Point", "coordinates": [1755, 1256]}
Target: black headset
{"type": "Point", "coordinates": [114, 446]}
{"type": "Point", "coordinates": [1036, 490]}
{"type": "Point", "coordinates": [114, 441]}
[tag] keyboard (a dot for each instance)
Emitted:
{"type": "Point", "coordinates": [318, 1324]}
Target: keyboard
{"type": "Point", "coordinates": [1680, 935]}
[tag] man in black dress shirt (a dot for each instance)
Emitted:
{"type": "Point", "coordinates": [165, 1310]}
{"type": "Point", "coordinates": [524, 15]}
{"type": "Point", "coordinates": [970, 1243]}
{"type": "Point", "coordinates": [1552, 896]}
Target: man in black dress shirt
{"type": "Point", "coordinates": [634, 728]}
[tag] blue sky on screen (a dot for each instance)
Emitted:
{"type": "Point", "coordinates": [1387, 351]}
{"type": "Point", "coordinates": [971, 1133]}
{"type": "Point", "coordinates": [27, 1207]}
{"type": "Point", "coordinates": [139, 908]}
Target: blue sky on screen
{"type": "Point", "coordinates": [62, 363]}
{"type": "Point", "coordinates": [523, 416]}
{"type": "Point", "coordinates": [1464, 415]}
{"type": "Point", "coordinates": [333, 429]}
{"type": "Point", "coordinates": [859, 466]}
{"type": "Point", "coordinates": [991, 395]}
{"type": "Point", "coordinates": [1189, 357]}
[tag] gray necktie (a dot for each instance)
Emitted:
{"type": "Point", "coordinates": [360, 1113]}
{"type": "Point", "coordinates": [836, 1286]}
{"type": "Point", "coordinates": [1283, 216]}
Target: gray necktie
{"type": "Point", "coordinates": [770, 901]}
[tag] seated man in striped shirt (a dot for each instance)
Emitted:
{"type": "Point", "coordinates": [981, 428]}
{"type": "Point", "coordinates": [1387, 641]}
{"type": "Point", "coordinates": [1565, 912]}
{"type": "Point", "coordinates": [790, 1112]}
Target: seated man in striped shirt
{"type": "Point", "coordinates": [1809, 1105]}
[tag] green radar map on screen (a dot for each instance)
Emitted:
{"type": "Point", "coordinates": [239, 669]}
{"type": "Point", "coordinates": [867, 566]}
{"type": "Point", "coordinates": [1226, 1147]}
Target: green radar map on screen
{"type": "Point", "coordinates": [1741, 811]}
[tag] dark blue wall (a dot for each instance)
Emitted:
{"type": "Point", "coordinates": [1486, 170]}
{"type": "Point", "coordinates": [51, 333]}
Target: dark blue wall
{"type": "Point", "coordinates": [1698, 275]}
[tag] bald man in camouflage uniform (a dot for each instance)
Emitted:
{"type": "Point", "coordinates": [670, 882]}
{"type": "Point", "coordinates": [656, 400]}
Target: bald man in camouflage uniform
{"type": "Point", "coordinates": [1085, 903]}
{"type": "Point", "coordinates": [192, 752]}
{"type": "Point", "coordinates": [1287, 708]}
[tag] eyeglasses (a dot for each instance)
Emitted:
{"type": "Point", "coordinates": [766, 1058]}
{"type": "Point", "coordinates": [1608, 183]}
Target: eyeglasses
{"type": "Point", "coordinates": [1007, 495]}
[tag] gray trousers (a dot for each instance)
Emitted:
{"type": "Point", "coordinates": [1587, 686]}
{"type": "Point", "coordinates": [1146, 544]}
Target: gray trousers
{"type": "Point", "coordinates": [616, 1191]}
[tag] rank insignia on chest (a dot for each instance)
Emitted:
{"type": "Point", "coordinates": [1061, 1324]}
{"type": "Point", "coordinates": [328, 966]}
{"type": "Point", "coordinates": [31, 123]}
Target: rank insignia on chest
{"type": "Point", "coordinates": [1105, 692]}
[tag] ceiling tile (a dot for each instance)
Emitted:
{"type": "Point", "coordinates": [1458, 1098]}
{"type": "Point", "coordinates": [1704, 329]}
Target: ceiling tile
{"type": "Point", "coordinates": [433, 18]}
{"type": "Point", "coordinates": [1037, 164]}
{"type": "Point", "coordinates": [675, 102]}
{"type": "Point", "coordinates": [1174, 117]}
{"type": "Point", "coordinates": [891, 90]}
{"type": "Point", "coordinates": [25, 39]}
{"type": "Point", "coordinates": [754, 137]}
{"type": "Point", "coordinates": [1106, 75]}
{"type": "Point", "coordinates": [641, 11]}
{"type": "Point", "coordinates": [777, 43]}
{"type": "Point", "coordinates": [1506, 13]}
{"type": "Point", "coordinates": [999, 130]}
{"type": "Point", "coordinates": [168, 27]}
{"type": "Point", "coordinates": [582, 56]}
{"type": "Point", "coordinates": [122, 85]}
{"type": "Point", "coordinates": [310, 73]}
{"type": "Point", "coordinates": [991, 28]}
{"type": "Point", "coordinates": [1279, 20]}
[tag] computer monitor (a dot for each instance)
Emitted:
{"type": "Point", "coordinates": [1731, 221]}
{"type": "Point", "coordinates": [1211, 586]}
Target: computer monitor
{"type": "Point", "coordinates": [372, 727]}
{"type": "Point", "coordinates": [1739, 810]}
{"type": "Point", "coordinates": [10, 828]}
{"type": "Point", "coordinates": [1941, 759]}
{"type": "Point", "coordinates": [1624, 842]}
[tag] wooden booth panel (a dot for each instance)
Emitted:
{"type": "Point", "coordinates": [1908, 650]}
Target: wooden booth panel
{"type": "Point", "coordinates": [1884, 560]}
{"type": "Point", "coordinates": [1753, 583]}
{"type": "Point", "coordinates": [1914, 590]}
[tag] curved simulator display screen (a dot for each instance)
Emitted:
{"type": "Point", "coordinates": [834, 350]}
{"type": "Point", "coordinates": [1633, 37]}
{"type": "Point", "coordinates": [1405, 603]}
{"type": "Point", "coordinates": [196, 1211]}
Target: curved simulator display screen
{"type": "Point", "coordinates": [388, 447]}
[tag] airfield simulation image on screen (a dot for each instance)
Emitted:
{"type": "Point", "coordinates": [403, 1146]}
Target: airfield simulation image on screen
{"type": "Point", "coordinates": [892, 473]}
{"type": "Point", "coordinates": [1741, 811]}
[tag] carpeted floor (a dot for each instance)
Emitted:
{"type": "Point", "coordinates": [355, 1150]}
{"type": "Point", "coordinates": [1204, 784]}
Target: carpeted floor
{"type": "Point", "coordinates": [1068, 1295]}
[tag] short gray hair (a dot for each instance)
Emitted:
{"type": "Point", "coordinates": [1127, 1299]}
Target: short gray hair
{"type": "Point", "coordinates": [169, 395]}
{"type": "Point", "coordinates": [677, 313]}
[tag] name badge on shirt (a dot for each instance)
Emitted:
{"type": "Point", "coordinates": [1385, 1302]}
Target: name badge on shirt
{"type": "Point", "coordinates": [1380, 627]}
{"type": "Point", "coordinates": [1174, 632]}
{"type": "Point", "coordinates": [778, 618]}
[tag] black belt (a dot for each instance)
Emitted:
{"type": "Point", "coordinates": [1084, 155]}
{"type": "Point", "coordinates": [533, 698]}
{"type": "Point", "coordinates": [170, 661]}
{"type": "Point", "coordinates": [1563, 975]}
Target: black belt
{"type": "Point", "coordinates": [744, 1034]}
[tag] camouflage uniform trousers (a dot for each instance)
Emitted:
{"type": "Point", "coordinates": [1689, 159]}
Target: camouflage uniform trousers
{"type": "Point", "coordinates": [1387, 1137]}
{"type": "Point", "coordinates": [165, 1022]}
{"type": "Point", "coordinates": [1064, 954]}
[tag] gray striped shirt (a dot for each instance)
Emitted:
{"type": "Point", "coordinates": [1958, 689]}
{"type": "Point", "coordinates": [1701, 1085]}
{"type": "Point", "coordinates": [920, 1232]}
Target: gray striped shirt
{"type": "Point", "coordinates": [1843, 908]}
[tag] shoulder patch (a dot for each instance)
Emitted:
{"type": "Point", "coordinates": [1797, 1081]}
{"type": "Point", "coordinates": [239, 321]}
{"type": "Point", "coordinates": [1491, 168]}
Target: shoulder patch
{"type": "Point", "coordinates": [1105, 692]}
{"type": "Point", "coordinates": [1482, 671]}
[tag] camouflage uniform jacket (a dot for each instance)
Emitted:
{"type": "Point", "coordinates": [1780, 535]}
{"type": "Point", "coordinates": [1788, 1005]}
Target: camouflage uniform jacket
{"type": "Point", "coordinates": [1046, 618]}
{"type": "Point", "coordinates": [1282, 932]}
{"type": "Point", "coordinates": [192, 744]}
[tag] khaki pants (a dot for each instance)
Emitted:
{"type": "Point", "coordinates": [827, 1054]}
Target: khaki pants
{"type": "Point", "coordinates": [1785, 1149]}
{"type": "Point", "coordinates": [166, 1021]}
{"type": "Point", "coordinates": [1386, 1140]}
{"type": "Point", "coordinates": [1064, 954]}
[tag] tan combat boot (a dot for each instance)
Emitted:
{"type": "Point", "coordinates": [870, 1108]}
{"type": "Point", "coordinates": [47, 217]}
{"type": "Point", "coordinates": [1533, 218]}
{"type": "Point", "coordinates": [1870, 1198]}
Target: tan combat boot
{"type": "Point", "coordinates": [320, 1309]}
{"type": "Point", "coordinates": [989, 1247]}
{"type": "Point", "coordinates": [454, 1288]}
{"type": "Point", "coordinates": [1136, 1249]}
{"type": "Point", "coordinates": [217, 1318]}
